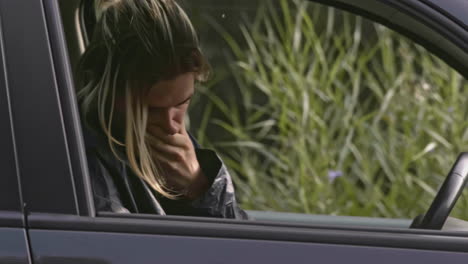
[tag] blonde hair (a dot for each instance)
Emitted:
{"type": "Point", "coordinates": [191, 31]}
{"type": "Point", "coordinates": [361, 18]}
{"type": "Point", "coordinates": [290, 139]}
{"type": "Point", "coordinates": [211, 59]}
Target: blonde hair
{"type": "Point", "coordinates": [134, 44]}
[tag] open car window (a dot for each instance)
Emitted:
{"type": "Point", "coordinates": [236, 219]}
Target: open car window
{"type": "Point", "coordinates": [318, 112]}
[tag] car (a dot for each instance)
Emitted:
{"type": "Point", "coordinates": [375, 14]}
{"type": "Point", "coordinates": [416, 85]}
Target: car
{"type": "Point", "coordinates": [47, 213]}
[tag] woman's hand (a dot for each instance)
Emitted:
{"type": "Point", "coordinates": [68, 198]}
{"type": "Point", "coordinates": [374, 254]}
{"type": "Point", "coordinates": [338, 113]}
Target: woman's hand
{"type": "Point", "coordinates": [177, 159]}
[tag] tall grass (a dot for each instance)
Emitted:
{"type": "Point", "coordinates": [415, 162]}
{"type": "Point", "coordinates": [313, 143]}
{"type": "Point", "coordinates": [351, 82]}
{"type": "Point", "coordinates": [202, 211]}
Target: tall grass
{"type": "Point", "coordinates": [336, 115]}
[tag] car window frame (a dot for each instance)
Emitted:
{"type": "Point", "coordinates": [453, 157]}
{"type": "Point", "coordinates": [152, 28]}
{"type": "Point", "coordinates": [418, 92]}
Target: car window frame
{"type": "Point", "coordinates": [69, 106]}
{"type": "Point", "coordinates": [85, 221]}
{"type": "Point", "coordinates": [427, 24]}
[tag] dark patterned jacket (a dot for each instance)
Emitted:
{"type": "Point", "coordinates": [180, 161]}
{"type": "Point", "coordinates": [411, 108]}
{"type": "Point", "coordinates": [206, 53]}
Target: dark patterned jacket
{"type": "Point", "coordinates": [117, 189]}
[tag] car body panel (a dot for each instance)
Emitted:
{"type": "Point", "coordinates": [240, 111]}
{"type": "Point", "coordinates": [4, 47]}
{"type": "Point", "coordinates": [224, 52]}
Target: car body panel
{"type": "Point", "coordinates": [13, 236]}
{"type": "Point", "coordinates": [13, 246]}
{"type": "Point", "coordinates": [92, 247]}
{"type": "Point", "coordinates": [49, 151]}
{"type": "Point", "coordinates": [41, 149]}
{"type": "Point", "coordinates": [9, 187]}
{"type": "Point", "coordinates": [254, 230]}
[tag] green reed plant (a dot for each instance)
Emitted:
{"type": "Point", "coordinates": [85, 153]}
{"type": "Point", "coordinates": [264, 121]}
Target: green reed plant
{"type": "Point", "coordinates": [336, 115]}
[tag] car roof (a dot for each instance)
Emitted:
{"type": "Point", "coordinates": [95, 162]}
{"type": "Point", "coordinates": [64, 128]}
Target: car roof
{"type": "Point", "coordinates": [457, 10]}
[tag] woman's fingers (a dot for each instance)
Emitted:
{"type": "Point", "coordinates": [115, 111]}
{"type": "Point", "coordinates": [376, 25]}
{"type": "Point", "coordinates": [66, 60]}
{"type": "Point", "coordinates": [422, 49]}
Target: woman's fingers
{"type": "Point", "coordinates": [175, 139]}
{"type": "Point", "coordinates": [173, 153]}
{"type": "Point", "coordinates": [171, 161]}
{"type": "Point", "coordinates": [175, 156]}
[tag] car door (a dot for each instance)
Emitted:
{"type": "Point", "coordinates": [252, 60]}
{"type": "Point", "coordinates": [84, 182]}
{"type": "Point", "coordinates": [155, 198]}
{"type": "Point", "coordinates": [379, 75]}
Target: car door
{"type": "Point", "coordinates": [13, 236]}
{"type": "Point", "coordinates": [62, 224]}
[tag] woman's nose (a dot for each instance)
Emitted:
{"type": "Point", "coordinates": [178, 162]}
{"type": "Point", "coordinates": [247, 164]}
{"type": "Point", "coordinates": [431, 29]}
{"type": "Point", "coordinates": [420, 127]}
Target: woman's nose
{"type": "Point", "coordinates": [168, 121]}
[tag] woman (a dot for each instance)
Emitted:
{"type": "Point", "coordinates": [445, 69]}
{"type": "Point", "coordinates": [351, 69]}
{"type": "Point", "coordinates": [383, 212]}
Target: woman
{"type": "Point", "coordinates": [138, 76]}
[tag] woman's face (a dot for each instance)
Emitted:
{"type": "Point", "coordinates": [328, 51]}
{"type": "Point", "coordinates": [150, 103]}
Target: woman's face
{"type": "Point", "coordinates": [168, 101]}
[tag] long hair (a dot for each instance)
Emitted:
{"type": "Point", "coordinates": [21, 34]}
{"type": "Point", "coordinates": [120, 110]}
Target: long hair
{"type": "Point", "coordinates": [134, 44]}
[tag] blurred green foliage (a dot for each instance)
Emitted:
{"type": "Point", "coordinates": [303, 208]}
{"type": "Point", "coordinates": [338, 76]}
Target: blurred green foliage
{"type": "Point", "coordinates": [339, 117]}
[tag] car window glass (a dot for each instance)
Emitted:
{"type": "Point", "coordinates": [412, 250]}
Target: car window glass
{"type": "Point", "coordinates": [9, 191]}
{"type": "Point", "coordinates": [318, 111]}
